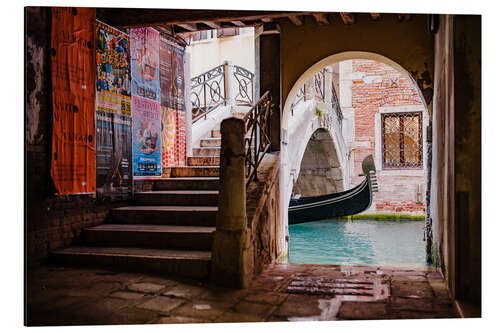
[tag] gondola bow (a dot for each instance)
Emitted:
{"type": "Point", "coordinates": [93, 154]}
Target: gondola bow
{"type": "Point", "coordinates": [350, 202]}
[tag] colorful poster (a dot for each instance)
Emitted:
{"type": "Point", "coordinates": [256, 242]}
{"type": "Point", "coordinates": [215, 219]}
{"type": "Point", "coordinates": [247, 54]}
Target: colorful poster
{"type": "Point", "coordinates": [169, 122]}
{"type": "Point", "coordinates": [146, 109]}
{"type": "Point", "coordinates": [146, 141]}
{"type": "Point", "coordinates": [145, 47]}
{"type": "Point", "coordinates": [113, 113]}
{"type": "Point", "coordinates": [112, 61]}
{"type": "Point", "coordinates": [172, 101]}
{"type": "Point", "coordinates": [180, 138]}
{"type": "Point", "coordinates": [73, 100]}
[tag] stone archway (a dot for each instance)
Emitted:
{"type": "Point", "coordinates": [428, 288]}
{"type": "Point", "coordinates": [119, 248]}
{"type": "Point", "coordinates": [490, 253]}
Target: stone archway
{"type": "Point", "coordinates": [292, 138]}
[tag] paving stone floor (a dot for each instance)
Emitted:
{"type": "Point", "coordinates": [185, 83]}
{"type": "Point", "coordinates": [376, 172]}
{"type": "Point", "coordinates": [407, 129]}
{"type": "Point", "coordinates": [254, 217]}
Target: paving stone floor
{"type": "Point", "coordinates": [283, 292]}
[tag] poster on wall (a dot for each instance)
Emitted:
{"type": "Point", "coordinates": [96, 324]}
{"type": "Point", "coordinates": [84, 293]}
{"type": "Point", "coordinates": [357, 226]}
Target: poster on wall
{"type": "Point", "coordinates": [145, 45]}
{"type": "Point", "coordinates": [113, 113]}
{"type": "Point", "coordinates": [168, 122]}
{"type": "Point", "coordinates": [112, 61]}
{"type": "Point", "coordinates": [114, 154]}
{"type": "Point", "coordinates": [146, 108]}
{"type": "Point", "coordinates": [146, 129]}
{"type": "Point", "coordinates": [73, 100]}
{"type": "Point", "coordinates": [171, 73]}
{"type": "Point", "coordinates": [172, 101]}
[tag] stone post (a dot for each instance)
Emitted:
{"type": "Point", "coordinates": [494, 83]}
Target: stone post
{"type": "Point", "coordinates": [230, 83]}
{"type": "Point", "coordinates": [232, 259]}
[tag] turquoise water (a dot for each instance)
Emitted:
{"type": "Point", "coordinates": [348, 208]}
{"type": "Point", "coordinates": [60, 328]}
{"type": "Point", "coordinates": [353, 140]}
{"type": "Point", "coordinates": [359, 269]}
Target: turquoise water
{"type": "Point", "coordinates": [360, 242]}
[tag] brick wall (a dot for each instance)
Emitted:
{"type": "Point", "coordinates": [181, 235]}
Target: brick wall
{"type": "Point", "coordinates": [51, 221]}
{"type": "Point", "coordinates": [375, 86]}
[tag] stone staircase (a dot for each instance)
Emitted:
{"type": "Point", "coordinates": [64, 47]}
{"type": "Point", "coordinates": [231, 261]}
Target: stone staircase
{"type": "Point", "coordinates": [208, 151]}
{"type": "Point", "coordinates": [167, 230]}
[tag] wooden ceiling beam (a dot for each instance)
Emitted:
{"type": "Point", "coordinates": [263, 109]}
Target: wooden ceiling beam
{"type": "Point", "coordinates": [266, 19]}
{"type": "Point", "coordinates": [348, 18]}
{"type": "Point", "coordinates": [376, 16]}
{"type": "Point", "coordinates": [321, 18]}
{"type": "Point", "coordinates": [213, 25]}
{"type": "Point", "coordinates": [188, 26]}
{"type": "Point", "coordinates": [238, 23]}
{"type": "Point", "coordinates": [131, 18]}
{"type": "Point", "coordinates": [297, 20]}
{"type": "Point", "coordinates": [271, 28]}
{"type": "Point", "coordinates": [166, 29]}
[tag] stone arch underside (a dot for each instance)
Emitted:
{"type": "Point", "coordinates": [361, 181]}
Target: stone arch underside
{"type": "Point", "coordinates": [320, 169]}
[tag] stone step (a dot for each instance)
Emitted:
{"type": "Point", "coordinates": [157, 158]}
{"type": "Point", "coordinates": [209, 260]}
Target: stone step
{"type": "Point", "coordinates": [203, 161]}
{"type": "Point", "coordinates": [239, 110]}
{"type": "Point", "coordinates": [186, 183]}
{"type": "Point", "coordinates": [190, 264]}
{"type": "Point", "coordinates": [239, 115]}
{"type": "Point", "coordinates": [210, 142]}
{"type": "Point", "coordinates": [215, 133]}
{"type": "Point", "coordinates": [206, 151]}
{"type": "Point", "coordinates": [150, 236]}
{"type": "Point", "coordinates": [195, 171]}
{"type": "Point", "coordinates": [177, 198]}
{"type": "Point", "coordinates": [165, 215]}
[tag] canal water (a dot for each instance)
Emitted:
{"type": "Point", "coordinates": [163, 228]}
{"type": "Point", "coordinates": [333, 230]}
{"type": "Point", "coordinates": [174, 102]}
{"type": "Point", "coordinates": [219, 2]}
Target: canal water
{"type": "Point", "coordinates": [360, 242]}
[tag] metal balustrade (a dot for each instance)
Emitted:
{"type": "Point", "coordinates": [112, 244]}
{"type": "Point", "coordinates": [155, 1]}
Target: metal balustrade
{"type": "Point", "coordinates": [208, 91]}
{"type": "Point", "coordinates": [245, 81]}
{"type": "Point", "coordinates": [212, 89]}
{"type": "Point", "coordinates": [257, 144]}
{"type": "Point", "coordinates": [316, 88]}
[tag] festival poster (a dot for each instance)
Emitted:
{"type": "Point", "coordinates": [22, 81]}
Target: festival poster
{"type": "Point", "coordinates": [73, 99]}
{"type": "Point", "coordinates": [112, 61]}
{"type": "Point", "coordinates": [113, 113]}
{"type": "Point", "coordinates": [146, 141]}
{"type": "Point", "coordinates": [145, 63]}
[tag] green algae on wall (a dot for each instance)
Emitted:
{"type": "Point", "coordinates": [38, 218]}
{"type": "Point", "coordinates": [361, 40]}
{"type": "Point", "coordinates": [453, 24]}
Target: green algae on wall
{"type": "Point", "coordinates": [382, 217]}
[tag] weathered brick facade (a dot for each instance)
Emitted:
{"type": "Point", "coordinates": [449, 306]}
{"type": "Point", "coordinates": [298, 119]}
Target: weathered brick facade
{"type": "Point", "coordinates": [378, 89]}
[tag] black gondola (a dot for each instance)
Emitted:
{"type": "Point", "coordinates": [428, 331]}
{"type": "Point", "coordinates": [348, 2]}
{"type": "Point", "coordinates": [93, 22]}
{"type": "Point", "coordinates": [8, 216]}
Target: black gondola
{"type": "Point", "coordinates": [350, 202]}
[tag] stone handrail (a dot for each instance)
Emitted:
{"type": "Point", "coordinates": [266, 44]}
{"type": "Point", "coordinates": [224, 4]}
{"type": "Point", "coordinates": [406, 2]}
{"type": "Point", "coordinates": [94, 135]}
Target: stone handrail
{"type": "Point", "coordinates": [234, 258]}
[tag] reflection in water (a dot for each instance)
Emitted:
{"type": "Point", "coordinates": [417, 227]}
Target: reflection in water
{"type": "Point", "coordinates": [362, 242]}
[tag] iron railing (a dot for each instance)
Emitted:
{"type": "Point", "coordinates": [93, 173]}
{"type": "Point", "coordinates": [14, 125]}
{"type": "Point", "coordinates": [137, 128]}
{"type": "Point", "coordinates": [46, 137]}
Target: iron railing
{"type": "Point", "coordinates": [336, 105]}
{"type": "Point", "coordinates": [208, 91]}
{"type": "Point", "coordinates": [319, 81]}
{"type": "Point", "coordinates": [319, 85]}
{"type": "Point", "coordinates": [301, 96]}
{"type": "Point", "coordinates": [257, 139]}
{"type": "Point", "coordinates": [245, 81]}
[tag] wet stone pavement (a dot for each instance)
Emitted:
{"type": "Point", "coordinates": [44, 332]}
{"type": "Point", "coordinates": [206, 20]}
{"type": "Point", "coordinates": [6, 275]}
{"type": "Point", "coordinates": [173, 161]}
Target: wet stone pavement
{"type": "Point", "coordinates": [283, 292]}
